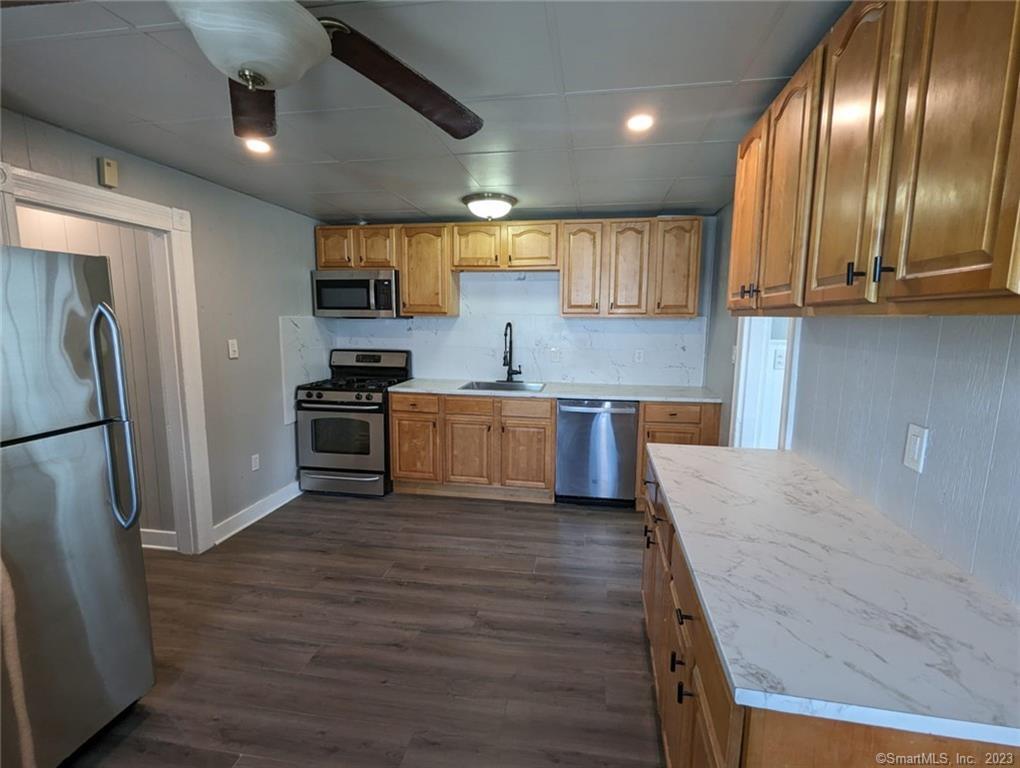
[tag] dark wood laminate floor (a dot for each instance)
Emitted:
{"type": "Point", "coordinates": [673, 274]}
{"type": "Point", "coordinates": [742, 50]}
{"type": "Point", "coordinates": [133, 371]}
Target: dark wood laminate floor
{"type": "Point", "coordinates": [405, 632]}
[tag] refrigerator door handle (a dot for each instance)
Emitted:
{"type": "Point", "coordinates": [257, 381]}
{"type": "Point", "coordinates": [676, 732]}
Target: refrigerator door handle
{"type": "Point", "coordinates": [121, 420]}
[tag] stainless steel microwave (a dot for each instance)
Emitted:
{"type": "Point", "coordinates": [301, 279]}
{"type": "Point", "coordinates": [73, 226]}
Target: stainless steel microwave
{"type": "Point", "coordinates": [355, 293]}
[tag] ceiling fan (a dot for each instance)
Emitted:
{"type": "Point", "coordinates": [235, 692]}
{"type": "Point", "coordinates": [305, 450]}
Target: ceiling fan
{"type": "Point", "coordinates": [264, 46]}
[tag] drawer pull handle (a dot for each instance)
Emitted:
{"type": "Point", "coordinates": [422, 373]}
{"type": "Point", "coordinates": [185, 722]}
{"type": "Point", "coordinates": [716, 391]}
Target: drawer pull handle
{"type": "Point", "coordinates": [656, 519]}
{"type": "Point", "coordinates": [682, 694]}
{"type": "Point", "coordinates": [649, 541]}
{"type": "Point", "coordinates": [649, 482]}
{"type": "Point", "coordinates": [681, 616]}
{"type": "Point", "coordinates": [851, 273]}
{"type": "Point", "coordinates": [647, 531]}
{"type": "Point", "coordinates": [675, 661]}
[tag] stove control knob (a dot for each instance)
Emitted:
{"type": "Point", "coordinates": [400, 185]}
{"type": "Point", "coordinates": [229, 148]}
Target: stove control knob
{"type": "Point", "coordinates": [318, 395]}
{"type": "Point", "coordinates": [357, 396]}
{"type": "Point", "coordinates": [368, 397]}
{"type": "Point", "coordinates": [309, 394]}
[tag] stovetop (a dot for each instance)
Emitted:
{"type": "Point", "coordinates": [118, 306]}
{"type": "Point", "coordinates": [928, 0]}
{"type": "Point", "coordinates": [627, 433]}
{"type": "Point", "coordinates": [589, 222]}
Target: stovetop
{"type": "Point", "coordinates": [352, 384]}
{"type": "Point", "coordinates": [358, 376]}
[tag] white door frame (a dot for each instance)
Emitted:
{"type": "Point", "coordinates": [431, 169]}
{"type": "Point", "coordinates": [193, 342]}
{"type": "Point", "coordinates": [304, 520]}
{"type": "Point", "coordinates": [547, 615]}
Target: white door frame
{"type": "Point", "coordinates": [180, 360]}
{"type": "Point", "coordinates": [786, 416]}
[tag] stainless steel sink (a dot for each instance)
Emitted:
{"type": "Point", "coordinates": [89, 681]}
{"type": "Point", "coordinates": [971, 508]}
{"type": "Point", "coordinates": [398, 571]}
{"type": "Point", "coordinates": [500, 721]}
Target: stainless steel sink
{"type": "Point", "coordinates": [504, 386]}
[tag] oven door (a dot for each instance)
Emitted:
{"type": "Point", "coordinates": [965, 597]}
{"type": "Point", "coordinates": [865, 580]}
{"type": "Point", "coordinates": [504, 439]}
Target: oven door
{"type": "Point", "coordinates": [353, 293]}
{"type": "Point", "coordinates": [341, 437]}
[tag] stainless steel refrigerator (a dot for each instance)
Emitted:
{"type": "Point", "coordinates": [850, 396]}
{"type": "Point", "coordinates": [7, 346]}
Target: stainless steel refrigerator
{"type": "Point", "coordinates": [74, 614]}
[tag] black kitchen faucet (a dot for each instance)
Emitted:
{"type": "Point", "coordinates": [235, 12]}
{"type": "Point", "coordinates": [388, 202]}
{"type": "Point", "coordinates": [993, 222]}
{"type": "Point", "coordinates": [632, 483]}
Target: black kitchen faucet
{"type": "Point", "coordinates": [508, 352]}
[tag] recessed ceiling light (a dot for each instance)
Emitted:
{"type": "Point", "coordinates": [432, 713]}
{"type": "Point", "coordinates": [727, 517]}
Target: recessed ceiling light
{"type": "Point", "coordinates": [258, 146]}
{"type": "Point", "coordinates": [640, 123]}
{"type": "Point", "coordinates": [489, 205]}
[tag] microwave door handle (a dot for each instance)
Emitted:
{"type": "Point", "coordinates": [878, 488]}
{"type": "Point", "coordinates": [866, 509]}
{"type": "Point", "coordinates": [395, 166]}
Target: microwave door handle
{"type": "Point", "coordinates": [371, 294]}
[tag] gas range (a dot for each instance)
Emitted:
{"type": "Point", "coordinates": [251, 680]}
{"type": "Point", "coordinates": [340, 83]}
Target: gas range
{"type": "Point", "coordinates": [341, 422]}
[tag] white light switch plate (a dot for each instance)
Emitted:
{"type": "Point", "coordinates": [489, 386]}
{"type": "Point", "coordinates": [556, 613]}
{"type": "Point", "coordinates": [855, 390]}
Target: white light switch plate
{"type": "Point", "coordinates": [916, 448]}
{"type": "Point", "coordinates": [639, 355]}
{"type": "Point", "coordinates": [232, 352]}
{"type": "Point", "coordinates": [254, 462]}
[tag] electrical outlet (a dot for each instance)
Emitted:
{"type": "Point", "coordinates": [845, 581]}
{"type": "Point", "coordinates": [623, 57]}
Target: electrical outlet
{"type": "Point", "coordinates": [254, 462]}
{"type": "Point", "coordinates": [556, 354]}
{"type": "Point", "coordinates": [639, 355]}
{"type": "Point", "coordinates": [916, 448]}
{"type": "Point", "coordinates": [232, 352]}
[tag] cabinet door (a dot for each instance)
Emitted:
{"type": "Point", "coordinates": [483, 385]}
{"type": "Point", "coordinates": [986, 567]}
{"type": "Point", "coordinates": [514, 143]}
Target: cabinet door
{"type": "Point", "coordinates": [792, 137]}
{"type": "Point", "coordinates": [376, 247]}
{"type": "Point", "coordinates": [581, 267]}
{"type": "Point", "coordinates": [477, 246]}
{"type": "Point", "coordinates": [748, 202]}
{"type": "Point", "coordinates": [425, 270]}
{"type": "Point", "coordinates": [334, 247]}
{"type": "Point", "coordinates": [628, 267]}
{"type": "Point", "coordinates": [415, 454]}
{"type": "Point", "coordinates": [527, 453]}
{"type": "Point", "coordinates": [956, 163]}
{"type": "Point", "coordinates": [469, 450]}
{"type": "Point", "coordinates": [677, 716]}
{"type": "Point", "coordinates": [531, 245]}
{"type": "Point", "coordinates": [677, 266]}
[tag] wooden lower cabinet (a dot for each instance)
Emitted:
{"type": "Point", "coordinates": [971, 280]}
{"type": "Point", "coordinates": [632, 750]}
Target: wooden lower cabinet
{"type": "Point", "coordinates": [528, 453]}
{"type": "Point", "coordinates": [674, 424]}
{"type": "Point", "coordinates": [416, 446]}
{"type": "Point", "coordinates": [469, 450]}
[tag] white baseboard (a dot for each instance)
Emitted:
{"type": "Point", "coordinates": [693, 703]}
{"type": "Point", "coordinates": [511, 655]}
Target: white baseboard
{"type": "Point", "coordinates": [241, 520]}
{"type": "Point", "coordinates": [153, 538]}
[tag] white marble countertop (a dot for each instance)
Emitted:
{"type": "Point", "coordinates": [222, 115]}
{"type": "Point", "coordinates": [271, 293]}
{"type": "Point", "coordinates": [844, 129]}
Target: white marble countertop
{"type": "Point", "coordinates": [820, 605]}
{"type": "Point", "coordinates": [566, 391]}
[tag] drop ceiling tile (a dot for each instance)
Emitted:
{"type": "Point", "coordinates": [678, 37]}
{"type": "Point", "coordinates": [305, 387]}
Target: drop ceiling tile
{"type": "Point", "coordinates": [32, 22]}
{"type": "Point", "coordinates": [641, 44]}
{"type": "Point", "coordinates": [800, 27]}
{"type": "Point", "coordinates": [619, 210]}
{"type": "Point", "coordinates": [656, 161]}
{"type": "Point", "coordinates": [366, 134]}
{"type": "Point", "coordinates": [364, 203]}
{"type": "Point", "coordinates": [539, 168]}
{"type": "Point", "coordinates": [132, 73]}
{"type": "Point", "coordinates": [305, 179]}
{"type": "Point", "coordinates": [441, 173]}
{"type": "Point", "coordinates": [217, 135]}
{"type": "Point", "coordinates": [471, 50]}
{"type": "Point", "coordinates": [741, 105]}
{"type": "Point", "coordinates": [142, 13]}
{"type": "Point", "coordinates": [623, 191]}
{"type": "Point", "coordinates": [681, 114]}
{"type": "Point", "coordinates": [706, 191]}
{"type": "Point", "coordinates": [546, 212]}
{"type": "Point", "coordinates": [536, 122]}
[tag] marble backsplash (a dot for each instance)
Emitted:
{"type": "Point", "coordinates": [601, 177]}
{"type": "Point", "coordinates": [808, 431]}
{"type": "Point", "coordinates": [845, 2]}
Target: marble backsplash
{"type": "Point", "coordinates": [547, 347]}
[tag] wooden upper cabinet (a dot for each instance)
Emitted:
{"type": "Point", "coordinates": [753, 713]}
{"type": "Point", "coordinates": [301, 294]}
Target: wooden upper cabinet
{"type": "Point", "coordinates": [376, 247]}
{"type": "Point", "coordinates": [477, 246]}
{"type": "Point", "coordinates": [854, 152]}
{"type": "Point", "coordinates": [677, 266]}
{"type": "Point", "coordinates": [580, 267]}
{"type": "Point", "coordinates": [427, 284]}
{"type": "Point", "coordinates": [956, 165]}
{"type": "Point", "coordinates": [334, 247]}
{"type": "Point", "coordinates": [748, 202]}
{"type": "Point", "coordinates": [792, 140]}
{"type": "Point", "coordinates": [628, 266]}
{"type": "Point", "coordinates": [530, 245]}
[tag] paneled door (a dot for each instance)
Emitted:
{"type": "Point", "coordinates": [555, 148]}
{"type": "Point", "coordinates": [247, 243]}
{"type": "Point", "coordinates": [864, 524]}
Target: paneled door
{"type": "Point", "coordinates": [854, 152]}
{"type": "Point", "coordinates": [677, 266]}
{"type": "Point", "coordinates": [334, 247]}
{"type": "Point", "coordinates": [530, 245]}
{"type": "Point", "coordinates": [748, 202]}
{"type": "Point", "coordinates": [581, 267]}
{"type": "Point", "coordinates": [415, 440]}
{"type": "Point", "coordinates": [376, 247]}
{"type": "Point", "coordinates": [956, 165]}
{"type": "Point", "coordinates": [792, 137]}
{"type": "Point", "coordinates": [477, 246]}
{"type": "Point", "coordinates": [628, 267]}
{"type": "Point", "coordinates": [425, 270]}
{"type": "Point", "coordinates": [469, 450]}
{"type": "Point", "coordinates": [527, 459]}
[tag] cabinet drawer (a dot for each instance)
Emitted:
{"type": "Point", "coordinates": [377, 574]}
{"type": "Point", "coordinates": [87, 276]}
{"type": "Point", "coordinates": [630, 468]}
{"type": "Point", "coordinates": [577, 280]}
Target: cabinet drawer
{"type": "Point", "coordinates": [415, 403]}
{"type": "Point", "coordinates": [472, 406]}
{"type": "Point", "coordinates": [676, 413]}
{"type": "Point", "coordinates": [527, 407]}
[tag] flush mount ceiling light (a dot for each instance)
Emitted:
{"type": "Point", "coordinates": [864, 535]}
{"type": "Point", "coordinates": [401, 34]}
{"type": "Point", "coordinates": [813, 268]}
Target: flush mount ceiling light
{"type": "Point", "coordinates": [258, 146]}
{"type": "Point", "coordinates": [640, 123]}
{"type": "Point", "coordinates": [489, 205]}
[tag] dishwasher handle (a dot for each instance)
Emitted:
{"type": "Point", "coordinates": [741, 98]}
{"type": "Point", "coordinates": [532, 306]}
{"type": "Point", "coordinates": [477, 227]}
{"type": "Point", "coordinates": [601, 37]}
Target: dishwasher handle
{"type": "Point", "coordinates": [585, 409]}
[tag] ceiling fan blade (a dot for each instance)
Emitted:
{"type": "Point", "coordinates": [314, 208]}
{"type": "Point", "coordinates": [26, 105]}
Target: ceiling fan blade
{"type": "Point", "coordinates": [253, 111]}
{"type": "Point", "coordinates": [387, 71]}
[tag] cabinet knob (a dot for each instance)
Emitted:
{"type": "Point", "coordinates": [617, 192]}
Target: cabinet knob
{"type": "Point", "coordinates": [681, 616]}
{"type": "Point", "coordinates": [743, 291]}
{"type": "Point", "coordinates": [682, 693]}
{"type": "Point", "coordinates": [675, 661]}
{"type": "Point", "coordinates": [851, 273]}
{"type": "Point", "coordinates": [647, 531]}
{"type": "Point", "coordinates": [648, 541]}
{"type": "Point", "coordinates": [877, 269]}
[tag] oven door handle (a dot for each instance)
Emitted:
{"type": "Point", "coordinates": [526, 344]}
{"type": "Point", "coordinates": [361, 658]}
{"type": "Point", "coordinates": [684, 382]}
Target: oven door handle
{"type": "Point", "coordinates": [302, 406]}
{"type": "Point", "coordinates": [336, 476]}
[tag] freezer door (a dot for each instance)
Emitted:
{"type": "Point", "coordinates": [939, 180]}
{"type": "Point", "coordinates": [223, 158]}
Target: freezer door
{"type": "Point", "coordinates": [76, 641]}
{"type": "Point", "coordinates": [49, 319]}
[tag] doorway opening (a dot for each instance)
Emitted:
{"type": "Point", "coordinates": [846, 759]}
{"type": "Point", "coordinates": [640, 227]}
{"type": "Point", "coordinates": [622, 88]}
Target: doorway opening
{"type": "Point", "coordinates": [766, 367]}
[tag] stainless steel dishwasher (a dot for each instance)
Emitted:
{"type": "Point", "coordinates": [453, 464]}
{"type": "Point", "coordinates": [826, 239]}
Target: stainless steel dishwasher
{"type": "Point", "coordinates": [596, 449]}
